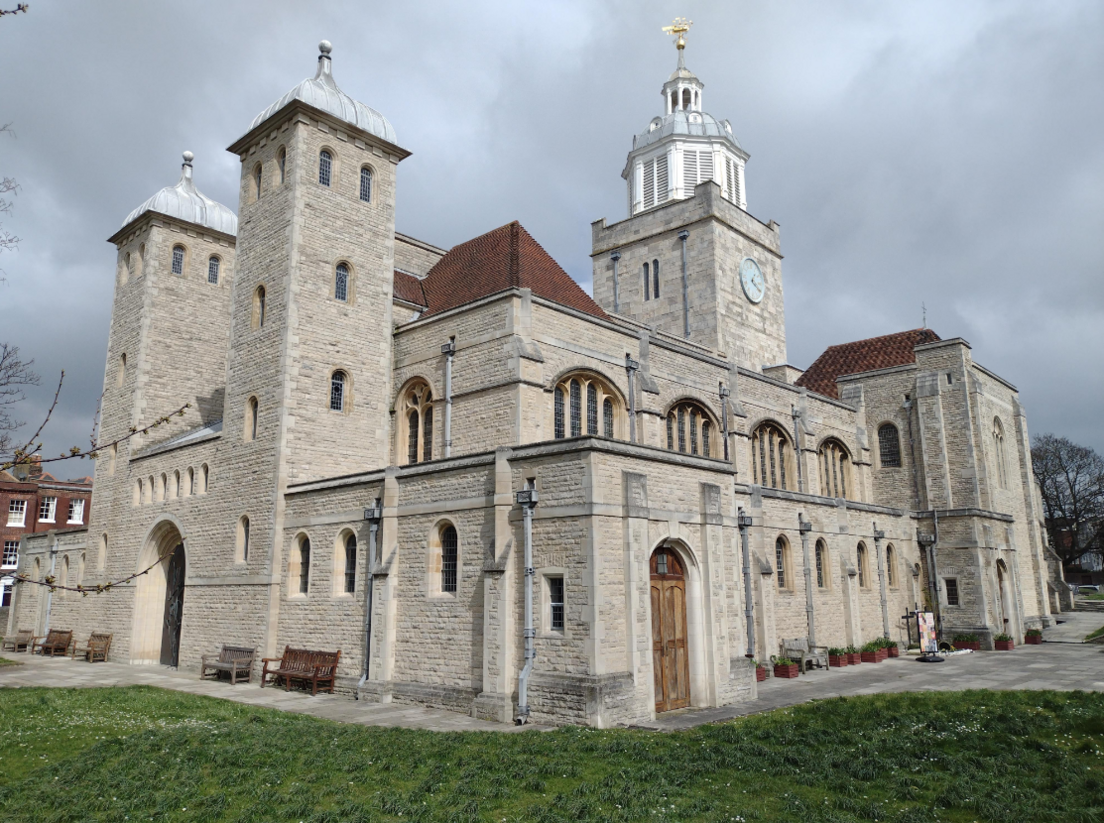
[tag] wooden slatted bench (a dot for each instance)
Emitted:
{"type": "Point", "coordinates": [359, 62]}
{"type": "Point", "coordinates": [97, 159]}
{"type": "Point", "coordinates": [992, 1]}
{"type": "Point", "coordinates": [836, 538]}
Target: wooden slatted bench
{"type": "Point", "coordinates": [97, 647]}
{"type": "Point", "coordinates": [798, 648]}
{"type": "Point", "coordinates": [12, 643]}
{"type": "Point", "coordinates": [233, 659]}
{"type": "Point", "coordinates": [57, 642]}
{"type": "Point", "coordinates": [315, 667]}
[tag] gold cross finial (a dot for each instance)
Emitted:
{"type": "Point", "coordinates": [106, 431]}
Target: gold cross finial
{"type": "Point", "coordinates": [679, 26]}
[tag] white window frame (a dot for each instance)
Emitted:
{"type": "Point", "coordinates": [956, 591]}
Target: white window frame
{"type": "Point", "coordinates": [47, 510]}
{"type": "Point", "coordinates": [11, 550]}
{"type": "Point", "coordinates": [76, 510]}
{"type": "Point", "coordinates": [17, 513]}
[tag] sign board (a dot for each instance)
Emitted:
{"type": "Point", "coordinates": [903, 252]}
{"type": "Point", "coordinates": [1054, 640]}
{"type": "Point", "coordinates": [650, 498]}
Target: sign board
{"type": "Point", "coordinates": [925, 626]}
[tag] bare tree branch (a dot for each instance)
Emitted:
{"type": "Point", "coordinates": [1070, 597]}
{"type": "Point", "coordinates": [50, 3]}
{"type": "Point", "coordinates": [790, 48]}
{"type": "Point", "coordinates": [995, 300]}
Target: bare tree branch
{"type": "Point", "coordinates": [15, 373]}
{"type": "Point", "coordinates": [1071, 479]}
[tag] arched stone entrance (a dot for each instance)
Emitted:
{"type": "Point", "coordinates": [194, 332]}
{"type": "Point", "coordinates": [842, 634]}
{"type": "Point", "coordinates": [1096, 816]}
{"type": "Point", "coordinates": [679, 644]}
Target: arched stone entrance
{"type": "Point", "coordinates": [670, 651]}
{"type": "Point", "coordinates": [159, 597]}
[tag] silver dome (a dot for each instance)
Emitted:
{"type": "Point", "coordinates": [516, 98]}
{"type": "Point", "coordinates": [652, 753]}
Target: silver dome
{"type": "Point", "coordinates": [185, 202]}
{"type": "Point", "coordinates": [322, 92]}
{"type": "Point", "coordinates": [692, 123]}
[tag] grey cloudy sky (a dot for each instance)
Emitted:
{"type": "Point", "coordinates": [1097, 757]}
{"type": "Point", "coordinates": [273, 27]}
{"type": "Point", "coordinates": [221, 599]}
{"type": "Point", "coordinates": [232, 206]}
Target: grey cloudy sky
{"type": "Point", "coordinates": [947, 153]}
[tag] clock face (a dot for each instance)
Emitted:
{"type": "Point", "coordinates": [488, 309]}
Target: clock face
{"type": "Point", "coordinates": [751, 278]}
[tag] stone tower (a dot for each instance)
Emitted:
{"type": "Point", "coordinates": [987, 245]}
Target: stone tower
{"type": "Point", "coordinates": [690, 260]}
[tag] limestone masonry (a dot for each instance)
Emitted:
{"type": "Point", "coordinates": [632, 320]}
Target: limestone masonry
{"type": "Point", "coordinates": [380, 430]}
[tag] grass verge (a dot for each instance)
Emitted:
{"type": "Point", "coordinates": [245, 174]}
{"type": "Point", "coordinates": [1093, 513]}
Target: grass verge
{"type": "Point", "coordinates": [1095, 634]}
{"type": "Point", "coordinates": [141, 753]}
{"type": "Point", "coordinates": [5, 662]}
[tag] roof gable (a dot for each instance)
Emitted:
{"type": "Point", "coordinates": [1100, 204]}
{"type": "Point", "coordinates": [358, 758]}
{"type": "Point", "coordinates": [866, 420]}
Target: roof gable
{"type": "Point", "coordinates": [861, 356]}
{"type": "Point", "coordinates": [505, 258]}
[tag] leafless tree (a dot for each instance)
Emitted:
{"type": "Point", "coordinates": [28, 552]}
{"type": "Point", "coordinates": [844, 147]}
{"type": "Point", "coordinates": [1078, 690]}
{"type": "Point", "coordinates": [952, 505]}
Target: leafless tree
{"type": "Point", "coordinates": [1072, 481]}
{"type": "Point", "coordinates": [15, 374]}
{"type": "Point", "coordinates": [8, 189]}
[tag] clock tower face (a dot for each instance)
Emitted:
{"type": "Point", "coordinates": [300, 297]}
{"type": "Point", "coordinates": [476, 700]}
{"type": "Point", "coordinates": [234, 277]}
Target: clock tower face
{"type": "Point", "coordinates": [752, 280]}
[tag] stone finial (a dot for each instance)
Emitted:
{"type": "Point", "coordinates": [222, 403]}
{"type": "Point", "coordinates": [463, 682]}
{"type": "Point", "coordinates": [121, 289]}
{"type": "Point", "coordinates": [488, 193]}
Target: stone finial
{"type": "Point", "coordinates": [325, 47]}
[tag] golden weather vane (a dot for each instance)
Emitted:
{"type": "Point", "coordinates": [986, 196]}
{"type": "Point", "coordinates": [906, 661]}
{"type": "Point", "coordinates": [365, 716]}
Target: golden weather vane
{"type": "Point", "coordinates": [679, 26]}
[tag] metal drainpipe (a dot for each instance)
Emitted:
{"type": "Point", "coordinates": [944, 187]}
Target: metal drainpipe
{"type": "Point", "coordinates": [797, 449]}
{"type": "Point", "coordinates": [804, 527]}
{"type": "Point", "coordinates": [527, 499]}
{"type": "Point", "coordinates": [879, 536]}
{"type": "Point", "coordinates": [50, 591]}
{"type": "Point", "coordinates": [631, 366]}
{"type": "Point", "coordinates": [448, 350]}
{"type": "Point", "coordinates": [373, 516]}
{"type": "Point", "coordinates": [724, 418]}
{"type": "Point", "coordinates": [744, 521]}
{"type": "Point", "coordinates": [682, 235]}
{"type": "Point", "coordinates": [616, 294]}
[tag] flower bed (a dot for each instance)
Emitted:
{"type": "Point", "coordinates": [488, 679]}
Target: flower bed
{"type": "Point", "coordinates": [966, 641]}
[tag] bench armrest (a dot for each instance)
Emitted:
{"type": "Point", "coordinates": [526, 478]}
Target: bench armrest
{"type": "Point", "coordinates": [271, 659]}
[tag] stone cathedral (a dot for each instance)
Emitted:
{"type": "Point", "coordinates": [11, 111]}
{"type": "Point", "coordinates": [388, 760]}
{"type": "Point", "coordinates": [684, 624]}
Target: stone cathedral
{"type": "Point", "coordinates": [494, 493]}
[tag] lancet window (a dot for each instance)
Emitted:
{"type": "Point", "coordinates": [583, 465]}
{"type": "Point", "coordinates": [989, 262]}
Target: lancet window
{"type": "Point", "coordinates": [835, 468]}
{"type": "Point", "coordinates": [690, 429]}
{"type": "Point", "coordinates": [772, 457]}
{"type": "Point", "coordinates": [584, 403]}
{"type": "Point", "coordinates": [416, 414]}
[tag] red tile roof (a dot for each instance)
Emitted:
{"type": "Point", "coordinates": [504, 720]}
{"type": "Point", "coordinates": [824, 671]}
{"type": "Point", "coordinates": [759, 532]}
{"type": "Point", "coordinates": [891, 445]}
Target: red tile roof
{"type": "Point", "coordinates": [863, 355]}
{"type": "Point", "coordinates": [409, 288]}
{"type": "Point", "coordinates": [505, 258]}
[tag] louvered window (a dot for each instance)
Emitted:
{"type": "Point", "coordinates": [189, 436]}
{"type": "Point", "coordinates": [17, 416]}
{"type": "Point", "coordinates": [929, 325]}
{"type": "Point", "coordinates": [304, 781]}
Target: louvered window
{"type": "Point", "coordinates": [559, 412]}
{"type": "Point", "coordinates": [689, 173]}
{"type": "Point", "coordinates": [649, 184]}
{"type": "Point", "coordinates": [655, 181]}
{"type": "Point", "coordinates": [576, 408]}
{"type": "Point", "coordinates": [592, 408]}
{"type": "Point", "coordinates": [732, 174]}
{"type": "Point", "coordinates": [661, 179]}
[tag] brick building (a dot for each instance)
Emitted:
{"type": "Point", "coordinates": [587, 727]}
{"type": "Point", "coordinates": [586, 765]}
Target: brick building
{"type": "Point", "coordinates": [393, 448]}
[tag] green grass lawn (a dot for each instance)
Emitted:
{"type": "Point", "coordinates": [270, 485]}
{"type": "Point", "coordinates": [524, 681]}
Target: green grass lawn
{"type": "Point", "coordinates": [5, 662]}
{"type": "Point", "coordinates": [1095, 634]}
{"type": "Point", "coordinates": [144, 754]}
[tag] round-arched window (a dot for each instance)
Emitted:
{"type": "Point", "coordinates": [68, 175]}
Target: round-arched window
{"type": "Point", "coordinates": [584, 403]}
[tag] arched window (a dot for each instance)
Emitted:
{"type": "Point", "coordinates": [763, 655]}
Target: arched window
{"type": "Point", "coordinates": [689, 428]}
{"type": "Point", "coordinates": [304, 565]}
{"type": "Point", "coordinates": [655, 278]}
{"type": "Point", "coordinates": [281, 162]}
{"type": "Point", "coordinates": [101, 561]}
{"type": "Point", "coordinates": [821, 563]}
{"type": "Point", "coordinates": [864, 572]}
{"type": "Point", "coordinates": [80, 570]}
{"type": "Point", "coordinates": [242, 553]}
{"type": "Point", "coordinates": [416, 411]}
{"type": "Point", "coordinates": [258, 307]}
{"type": "Point", "coordinates": [120, 373]}
{"type": "Point", "coordinates": [771, 456]}
{"type": "Point", "coordinates": [257, 182]}
{"type": "Point", "coordinates": [998, 453]}
{"type": "Point", "coordinates": [686, 99]}
{"type": "Point", "coordinates": [891, 566]}
{"type": "Point", "coordinates": [889, 446]}
{"type": "Point", "coordinates": [338, 381]}
{"type": "Point", "coordinates": [350, 563]}
{"type": "Point", "coordinates": [366, 184]}
{"type": "Point", "coordinates": [835, 466]}
{"type": "Point", "coordinates": [341, 282]}
{"type": "Point", "coordinates": [124, 269]}
{"type": "Point", "coordinates": [176, 483]}
{"type": "Point", "coordinates": [647, 284]}
{"type": "Point", "coordinates": [603, 407]}
{"type": "Point", "coordinates": [178, 260]}
{"type": "Point", "coordinates": [213, 270]}
{"type": "Point", "coordinates": [251, 413]}
{"type": "Point", "coordinates": [190, 486]}
{"type": "Point", "coordinates": [448, 559]}
{"type": "Point", "coordinates": [325, 167]}
{"type": "Point", "coordinates": [204, 478]}
{"type": "Point", "coordinates": [782, 562]}
{"type": "Point", "coordinates": [139, 491]}
{"type": "Point", "coordinates": [162, 486]}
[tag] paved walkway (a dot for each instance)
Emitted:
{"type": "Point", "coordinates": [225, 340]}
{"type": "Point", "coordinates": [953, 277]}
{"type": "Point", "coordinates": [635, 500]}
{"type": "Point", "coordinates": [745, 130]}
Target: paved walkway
{"type": "Point", "coordinates": [1061, 663]}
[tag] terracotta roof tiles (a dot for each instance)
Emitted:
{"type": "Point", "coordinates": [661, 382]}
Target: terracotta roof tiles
{"type": "Point", "coordinates": [409, 288]}
{"type": "Point", "coordinates": [861, 356]}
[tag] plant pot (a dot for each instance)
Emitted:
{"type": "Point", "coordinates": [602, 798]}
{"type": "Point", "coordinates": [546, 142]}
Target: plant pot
{"type": "Point", "coordinates": [760, 674]}
{"type": "Point", "coordinates": [789, 671]}
{"type": "Point", "coordinates": [1033, 639]}
{"type": "Point", "coordinates": [894, 651]}
{"type": "Point", "coordinates": [882, 653]}
{"type": "Point", "coordinates": [837, 660]}
{"type": "Point", "coordinates": [854, 658]}
{"type": "Point", "coordinates": [1003, 645]}
{"type": "Point", "coordinates": [870, 657]}
{"type": "Point", "coordinates": [974, 646]}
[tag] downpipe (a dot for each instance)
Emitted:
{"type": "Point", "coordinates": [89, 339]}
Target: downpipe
{"type": "Point", "coordinates": [744, 522]}
{"type": "Point", "coordinates": [879, 536]}
{"type": "Point", "coordinates": [373, 516]}
{"type": "Point", "coordinates": [448, 350]}
{"type": "Point", "coordinates": [527, 499]}
{"type": "Point", "coordinates": [804, 527]}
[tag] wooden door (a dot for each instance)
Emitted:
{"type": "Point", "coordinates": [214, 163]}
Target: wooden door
{"type": "Point", "coordinates": [670, 661]}
{"type": "Point", "coordinates": [174, 609]}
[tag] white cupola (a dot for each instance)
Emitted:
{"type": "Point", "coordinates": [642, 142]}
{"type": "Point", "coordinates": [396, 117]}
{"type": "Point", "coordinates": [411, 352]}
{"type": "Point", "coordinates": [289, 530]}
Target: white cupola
{"type": "Point", "coordinates": [683, 147]}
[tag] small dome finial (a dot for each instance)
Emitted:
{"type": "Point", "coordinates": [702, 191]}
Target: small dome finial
{"type": "Point", "coordinates": [325, 47]}
{"type": "Point", "coordinates": [188, 158]}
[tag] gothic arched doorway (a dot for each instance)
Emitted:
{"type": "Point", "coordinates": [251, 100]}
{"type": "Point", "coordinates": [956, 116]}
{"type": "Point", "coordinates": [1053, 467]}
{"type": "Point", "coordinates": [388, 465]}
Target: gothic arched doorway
{"type": "Point", "coordinates": [670, 658]}
{"type": "Point", "coordinates": [159, 597]}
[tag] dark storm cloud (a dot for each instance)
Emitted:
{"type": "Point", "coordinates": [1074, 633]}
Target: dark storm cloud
{"type": "Point", "coordinates": [948, 154]}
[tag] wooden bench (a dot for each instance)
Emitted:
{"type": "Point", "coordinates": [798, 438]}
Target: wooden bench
{"type": "Point", "coordinates": [57, 642]}
{"type": "Point", "coordinates": [316, 667]}
{"type": "Point", "coordinates": [233, 659]}
{"type": "Point", "coordinates": [12, 643]}
{"type": "Point", "coordinates": [97, 647]}
{"type": "Point", "coordinates": [798, 648]}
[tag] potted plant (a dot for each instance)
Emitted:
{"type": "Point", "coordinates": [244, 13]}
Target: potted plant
{"type": "Point", "coordinates": [837, 657]}
{"type": "Point", "coordinates": [881, 648]}
{"type": "Point", "coordinates": [892, 648]}
{"type": "Point", "coordinates": [854, 658]}
{"type": "Point", "coordinates": [1003, 643]}
{"type": "Point", "coordinates": [1033, 637]}
{"type": "Point", "coordinates": [760, 671]}
{"type": "Point", "coordinates": [869, 653]}
{"type": "Point", "coordinates": [966, 641]}
{"type": "Point", "coordinates": [784, 667]}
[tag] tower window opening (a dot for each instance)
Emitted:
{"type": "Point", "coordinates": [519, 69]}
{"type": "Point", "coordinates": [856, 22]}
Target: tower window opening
{"type": "Point", "coordinates": [350, 564]}
{"type": "Point", "coordinates": [337, 391]}
{"type": "Point", "coordinates": [304, 566]}
{"type": "Point", "coordinates": [341, 283]}
{"type": "Point", "coordinates": [686, 99]}
{"type": "Point", "coordinates": [178, 260]}
{"type": "Point", "coordinates": [655, 278]}
{"type": "Point", "coordinates": [257, 182]}
{"type": "Point", "coordinates": [448, 560]}
{"type": "Point", "coordinates": [281, 161]}
{"type": "Point", "coordinates": [213, 270]}
{"type": "Point", "coordinates": [366, 184]}
{"type": "Point", "coordinates": [325, 168]}
{"type": "Point", "coordinates": [647, 284]}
